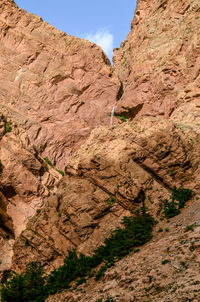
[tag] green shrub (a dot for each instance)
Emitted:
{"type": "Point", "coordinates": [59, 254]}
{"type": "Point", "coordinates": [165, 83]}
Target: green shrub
{"type": "Point", "coordinates": [170, 208]}
{"type": "Point", "coordinates": [171, 172]}
{"type": "Point", "coordinates": [47, 160]}
{"type": "Point", "coordinates": [111, 201]}
{"type": "Point", "coordinates": [8, 126]}
{"type": "Point", "coordinates": [150, 278]}
{"type": "Point", "coordinates": [25, 287]}
{"type": "Point", "coordinates": [137, 230]}
{"type": "Point", "coordinates": [165, 261]}
{"type": "Point", "coordinates": [178, 199]}
{"type": "Point", "coordinates": [61, 172]}
{"type": "Point", "coordinates": [81, 281]}
{"type": "Point", "coordinates": [101, 272]}
{"type": "Point", "coordinates": [74, 267]}
{"type": "Point", "coordinates": [182, 195]}
{"type": "Point", "coordinates": [192, 247]}
{"type": "Point", "coordinates": [189, 227]}
{"type": "Point", "coordinates": [122, 118]}
{"type": "Point", "coordinates": [109, 299]}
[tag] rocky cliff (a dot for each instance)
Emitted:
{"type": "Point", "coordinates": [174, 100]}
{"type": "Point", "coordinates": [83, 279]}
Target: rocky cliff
{"type": "Point", "coordinates": [55, 89]}
{"type": "Point", "coordinates": [158, 63]}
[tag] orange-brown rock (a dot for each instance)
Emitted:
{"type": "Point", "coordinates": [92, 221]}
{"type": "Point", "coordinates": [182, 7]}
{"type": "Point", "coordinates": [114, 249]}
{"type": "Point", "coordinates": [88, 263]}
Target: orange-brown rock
{"type": "Point", "coordinates": [114, 172]}
{"type": "Point", "coordinates": [54, 90]}
{"type": "Point", "coordinates": [158, 63]}
{"type": "Point", "coordinates": [56, 87]}
{"type": "Point", "coordinates": [25, 180]}
{"type": "Point", "coordinates": [164, 270]}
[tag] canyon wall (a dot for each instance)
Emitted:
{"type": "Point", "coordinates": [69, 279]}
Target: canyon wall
{"type": "Point", "coordinates": [54, 89]}
{"type": "Point", "coordinates": [57, 93]}
{"type": "Point", "coordinates": [158, 63]}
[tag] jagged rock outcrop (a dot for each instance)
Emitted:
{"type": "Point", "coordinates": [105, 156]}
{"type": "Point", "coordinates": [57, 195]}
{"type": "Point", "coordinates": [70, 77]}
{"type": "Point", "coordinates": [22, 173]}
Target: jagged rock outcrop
{"type": "Point", "coordinates": [164, 270]}
{"type": "Point", "coordinates": [158, 63]}
{"type": "Point", "coordinates": [56, 87]}
{"type": "Point", "coordinates": [54, 90]}
{"type": "Point", "coordinates": [114, 172]}
{"type": "Point", "coordinates": [25, 180]}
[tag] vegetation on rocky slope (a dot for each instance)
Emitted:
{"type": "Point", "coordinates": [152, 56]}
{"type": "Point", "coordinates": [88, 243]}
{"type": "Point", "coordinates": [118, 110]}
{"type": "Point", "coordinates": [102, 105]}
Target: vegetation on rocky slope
{"type": "Point", "coordinates": [49, 162]}
{"type": "Point", "coordinates": [34, 285]}
{"type": "Point", "coordinates": [178, 199]}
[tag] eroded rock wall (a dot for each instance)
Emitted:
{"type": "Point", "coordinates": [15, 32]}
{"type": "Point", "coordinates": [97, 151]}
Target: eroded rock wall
{"type": "Point", "coordinates": [158, 63]}
{"type": "Point", "coordinates": [55, 86]}
{"type": "Point", "coordinates": [113, 173]}
{"type": "Point", "coordinates": [55, 89]}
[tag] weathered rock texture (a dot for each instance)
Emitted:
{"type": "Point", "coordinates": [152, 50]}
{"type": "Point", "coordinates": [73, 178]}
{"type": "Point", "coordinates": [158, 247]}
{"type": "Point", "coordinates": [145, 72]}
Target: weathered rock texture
{"type": "Point", "coordinates": [164, 270]}
{"type": "Point", "coordinates": [114, 172]}
{"type": "Point", "coordinates": [55, 89]}
{"type": "Point", "coordinates": [55, 86]}
{"type": "Point", "coordinates": [159, 62]}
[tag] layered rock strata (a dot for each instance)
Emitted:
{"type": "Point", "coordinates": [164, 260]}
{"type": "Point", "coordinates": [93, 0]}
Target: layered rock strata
{"type": "Point", "coordinates": [54, 90]}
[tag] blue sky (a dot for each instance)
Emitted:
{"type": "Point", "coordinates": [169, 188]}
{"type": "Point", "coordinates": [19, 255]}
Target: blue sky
{"type": "Point", "coordinates": [105, 22]}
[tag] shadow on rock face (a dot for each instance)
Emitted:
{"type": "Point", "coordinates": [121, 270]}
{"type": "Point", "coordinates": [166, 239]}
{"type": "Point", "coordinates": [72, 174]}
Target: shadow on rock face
{"type": "Point", "coordinates": [6, 224]}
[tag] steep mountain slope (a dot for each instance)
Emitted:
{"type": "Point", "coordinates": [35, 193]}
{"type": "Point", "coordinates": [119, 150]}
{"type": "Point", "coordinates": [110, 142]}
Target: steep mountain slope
{"type": "Point", "coordinates": [139, 163]}
{"type": "Point", "coordinates": [134, 164]}
{"type": "Point", "coordinates": [58, 84]}
{"type": "Point", "coordinates": [158, 63]}
{"type": "Point", "coordinates": [55, 89]}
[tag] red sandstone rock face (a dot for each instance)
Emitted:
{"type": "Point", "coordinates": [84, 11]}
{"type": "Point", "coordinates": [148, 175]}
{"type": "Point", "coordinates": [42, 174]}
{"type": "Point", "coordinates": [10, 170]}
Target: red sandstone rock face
{"type": "Point", "coordinates": [55, 89]}
{"type": "Point", "coordinates": [142, 277]}
{"type": "Point", "coordinates": [133, 164]}
{"type": "Point", "coordinates": [24, 186]}
{"type": "Point", "coordinates": [158, 63]}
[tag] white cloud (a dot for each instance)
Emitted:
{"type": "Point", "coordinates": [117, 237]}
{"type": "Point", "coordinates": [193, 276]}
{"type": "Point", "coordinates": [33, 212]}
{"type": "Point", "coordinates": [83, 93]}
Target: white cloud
{"type": "Point", "coordinates": [104, 39]}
